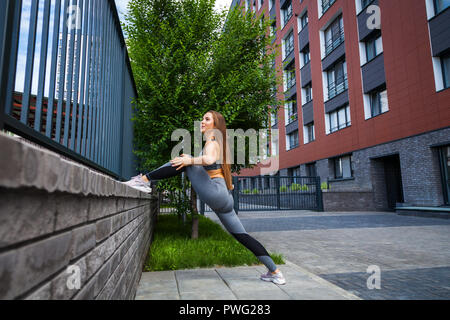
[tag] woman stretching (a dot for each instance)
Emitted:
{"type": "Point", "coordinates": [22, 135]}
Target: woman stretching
{"type": "Point", "coordinates": [211, 181]}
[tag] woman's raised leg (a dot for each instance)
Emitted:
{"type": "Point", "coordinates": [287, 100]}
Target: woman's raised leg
{"type": "Point", "coordinates": [163, 172]}
{"type": "Point", "coordinates": [216, 195]}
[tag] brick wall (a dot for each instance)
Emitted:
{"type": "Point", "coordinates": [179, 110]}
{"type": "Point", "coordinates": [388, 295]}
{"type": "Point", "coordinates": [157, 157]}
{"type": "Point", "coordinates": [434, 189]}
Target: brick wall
{"type": "Point", "coordinates": [348, 201]}
{"type": "Point", "coordinates": [420, 172]}
{"type": "Point", "coordinates": [56, 215]}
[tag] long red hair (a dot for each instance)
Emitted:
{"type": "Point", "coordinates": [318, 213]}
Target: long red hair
{"type": "Point", "coordinates": [220, 124]}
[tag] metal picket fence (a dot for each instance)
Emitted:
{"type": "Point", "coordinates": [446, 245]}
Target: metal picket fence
{"type": "Point", "coordinates": [66, 80]}
{"type": "Point", "coordinates": [265, 193]}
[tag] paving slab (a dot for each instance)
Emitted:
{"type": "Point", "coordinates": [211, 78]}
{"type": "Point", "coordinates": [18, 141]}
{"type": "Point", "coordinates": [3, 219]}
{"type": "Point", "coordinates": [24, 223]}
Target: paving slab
{"type": "Point", "coordinates": [237, 283]}
{"type": "Point", "coordinates": [328, 254]}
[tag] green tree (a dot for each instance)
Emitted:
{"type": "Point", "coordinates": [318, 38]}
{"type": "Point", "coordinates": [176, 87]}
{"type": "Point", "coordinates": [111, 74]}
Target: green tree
{"type": "Point", "coordinates": [188, 58]}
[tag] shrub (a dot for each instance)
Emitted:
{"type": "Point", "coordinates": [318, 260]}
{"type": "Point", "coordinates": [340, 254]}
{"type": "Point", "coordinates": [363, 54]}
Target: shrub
{"type": "Point", "coordinates": [255, 191]}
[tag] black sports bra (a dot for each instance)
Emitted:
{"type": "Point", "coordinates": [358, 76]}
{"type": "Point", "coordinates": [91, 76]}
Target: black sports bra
{"type": "Point", "coordinates": [213, 166]}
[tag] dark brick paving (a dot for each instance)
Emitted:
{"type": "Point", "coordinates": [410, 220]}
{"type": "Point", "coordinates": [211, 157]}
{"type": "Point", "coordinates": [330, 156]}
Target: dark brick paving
{"type": "Point", "coordinates": [337, 222]}
{"type": "Point", "coordinates": [413, 284]}
{"type": "Point", "coordinates": [401, 279]}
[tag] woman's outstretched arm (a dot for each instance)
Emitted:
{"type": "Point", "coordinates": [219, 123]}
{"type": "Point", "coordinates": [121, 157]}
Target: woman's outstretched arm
{"type": "Point", "coordinates": [178, 164]}
{"type": "Point", "coordinates": [210, 156]}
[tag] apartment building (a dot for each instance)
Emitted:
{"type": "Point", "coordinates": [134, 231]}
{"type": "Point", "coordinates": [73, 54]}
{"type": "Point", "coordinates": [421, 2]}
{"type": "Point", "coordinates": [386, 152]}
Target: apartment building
{"type": "Point", "coordinates": [367, 85]}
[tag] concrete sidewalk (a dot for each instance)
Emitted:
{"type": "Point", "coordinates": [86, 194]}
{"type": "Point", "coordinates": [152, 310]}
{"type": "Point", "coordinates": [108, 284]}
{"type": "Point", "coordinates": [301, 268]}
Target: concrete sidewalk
{"type": "Point", "coordinates": [237, 283]}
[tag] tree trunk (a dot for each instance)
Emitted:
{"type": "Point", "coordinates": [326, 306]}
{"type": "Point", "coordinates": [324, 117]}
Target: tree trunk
{"type": "Point", "coordinates": [194, 231]}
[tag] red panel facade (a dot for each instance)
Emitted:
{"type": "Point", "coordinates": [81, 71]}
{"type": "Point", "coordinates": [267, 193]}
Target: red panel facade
{"type": "Point", "coordinates": [414, 105]}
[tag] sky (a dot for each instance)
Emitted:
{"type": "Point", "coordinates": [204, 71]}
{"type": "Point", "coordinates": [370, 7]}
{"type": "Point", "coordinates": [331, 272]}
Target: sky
{"type": "Point", "coordinates": [122, 6]}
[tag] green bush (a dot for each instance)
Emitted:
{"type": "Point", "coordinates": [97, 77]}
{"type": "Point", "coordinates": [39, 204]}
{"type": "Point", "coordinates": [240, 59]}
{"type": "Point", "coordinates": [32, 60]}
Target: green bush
{"type": "Point", "coordinates": [298, 187]}
{"type": "Point", "coordinates": [283, 189]}
{"type": "Point", "coordinates": [246, 191]}
{"type": "Point", "coordinates": [255, 191]}
{"type": "Point", "coordinates": [324, 185]}
{"type": "Point", "coordinates": [173, 249]}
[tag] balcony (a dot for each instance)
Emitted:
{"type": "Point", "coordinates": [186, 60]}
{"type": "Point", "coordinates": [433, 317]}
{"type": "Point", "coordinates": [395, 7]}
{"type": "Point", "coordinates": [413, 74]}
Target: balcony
{"type": "Point", "coordinates": [305, 74]}
{"type": "Point", "coordinates": [332, 44]}
{"type": "Point", "coordinates": [439, 27]}
{"type": "Point", "coordinates": [326, 4]}
{"type": "Point", "coordinates": [373, 73]}
{"type": "Point", "coordinates": [337, 87]}
{"type": "Point", "coordinates": [303, 38]}
{"type": "Point", "coordinates": [291, 118]}
{"type": "Point", "coordinates": [308, 112]}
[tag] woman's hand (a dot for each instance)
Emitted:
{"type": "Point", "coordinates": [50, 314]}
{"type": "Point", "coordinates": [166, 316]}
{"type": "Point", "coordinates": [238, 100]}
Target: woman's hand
{"type": "Point", "coordinates": [182, 161]}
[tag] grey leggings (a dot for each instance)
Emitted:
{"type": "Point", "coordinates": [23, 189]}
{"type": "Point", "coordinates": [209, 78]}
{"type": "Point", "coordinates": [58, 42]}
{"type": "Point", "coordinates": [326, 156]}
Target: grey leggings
{"type": "Point", "coordinates": [215, 194]}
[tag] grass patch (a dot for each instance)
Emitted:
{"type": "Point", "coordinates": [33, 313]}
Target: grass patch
{"type": "Point", "coordinates": [173, 249]}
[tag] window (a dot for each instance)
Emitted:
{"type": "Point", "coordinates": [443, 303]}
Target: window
{"type": "Point", "coordinates": [294, 172]}
{"type": "Point", "coordinates": [273, 28]}
{"type": "Point", "coordinates": [286, 12]}
{"type": "Point", "coordinates": [311, 169]}
{"type": "Point", "coordinates": [441, 5]}
{"type": "Point", "coordinates": [343, 167]}
{"type": "Point", "coordinates": [260, 4]}
{"type": "Point", "coordinates": [337, 79]}
{"type": "Point", "coordinates": [326, 4]}
{"type": "Point", "coordinates": [309, 132]}
{"type": "Point", "coordinates": [374, 47]}
{"type": "Point", "coordinates": [365, 3]}
{"type": "Point", "coordinates": [334, 35]}
{"type": "Point", "coordinates": [307, 91]}
{"type": "Point", "coordinates": [289, 74]}
{"type": "Point", "coordinates": [291, 110]}
{"type": "Point", "coordinates": [304, 20]}
{"type": "Point", "coordinates": [306, 55]}
{"type": "Point", "coordinates": [339, 119]}
{"type": "Point", "coordinates": [274, 88]}
{"type": "Point", "coordinates": [378, 102]}
{"type": "Point", "coordinates": [445, 62]}
{"type": "Point", "coordinates": [288, 44]}
{"type": "Point", "coordinates": [273, 118]}
{"type": "Point", "coordinates": [292, 140]}
{"type": "Point", "coordinates": [271, 4]}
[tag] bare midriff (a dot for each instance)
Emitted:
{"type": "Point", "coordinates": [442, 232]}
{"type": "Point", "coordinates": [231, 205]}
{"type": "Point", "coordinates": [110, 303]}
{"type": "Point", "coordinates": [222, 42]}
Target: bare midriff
{"type": "Point", "coordinates": [218, 173]}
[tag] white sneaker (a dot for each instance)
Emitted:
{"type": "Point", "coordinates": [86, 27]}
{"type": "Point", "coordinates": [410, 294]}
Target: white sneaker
{"type": "Point", "coordinates": [276, 278]}
{"type": "Point", "coordinates": [139, 184]}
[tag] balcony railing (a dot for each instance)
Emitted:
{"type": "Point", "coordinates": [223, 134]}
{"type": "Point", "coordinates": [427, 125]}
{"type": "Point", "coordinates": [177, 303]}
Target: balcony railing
{"type": "Point", "coordinates": [291, 118]}
{"type": "Point", "coordinates": [326, 4]}
{"type": "Point", "coordinates": [80, 103]}
{"type": "Point", "coordinates": [337, 87]}
{"type": "Point", "coordinates": [332, 44]}
{"type": "Point", "coordinates": [290, 79]}
{"type": "Point", "coordinates": [288, 46]}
